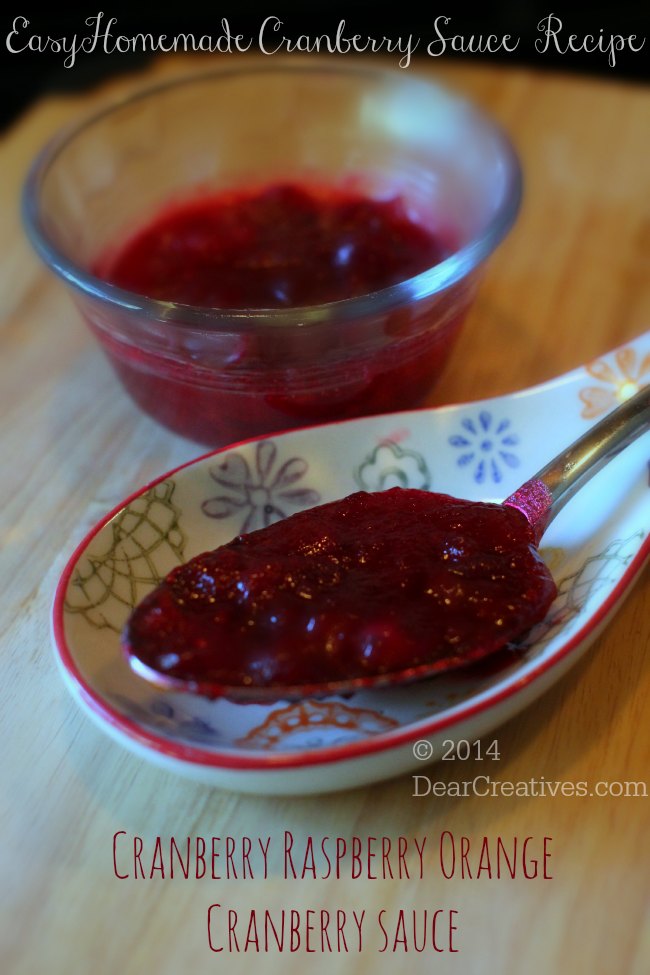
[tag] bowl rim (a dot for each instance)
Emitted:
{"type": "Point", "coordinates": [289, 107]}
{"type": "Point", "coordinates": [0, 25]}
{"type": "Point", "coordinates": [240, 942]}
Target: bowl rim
{"type": "Point", "coordinates": [426, 284]}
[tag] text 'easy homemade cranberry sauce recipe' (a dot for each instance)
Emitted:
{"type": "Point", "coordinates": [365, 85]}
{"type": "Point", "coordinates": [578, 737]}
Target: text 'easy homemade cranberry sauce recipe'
{"type": "Point", "coordinates": [365, 586]}
{"type": "Point", "coordinates": [282, 246]}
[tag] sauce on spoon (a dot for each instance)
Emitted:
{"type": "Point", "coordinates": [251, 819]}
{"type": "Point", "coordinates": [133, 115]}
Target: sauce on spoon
{"type": "Point", "coordinates": [358, 588]}
{"type": "Point", "coordinates": [374, 589]}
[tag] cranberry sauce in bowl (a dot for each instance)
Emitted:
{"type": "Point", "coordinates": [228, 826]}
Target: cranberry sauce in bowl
{"type": "Point", "coordinates": [267, 248]}
{"type": "Point", "coordinates": [282, 246]}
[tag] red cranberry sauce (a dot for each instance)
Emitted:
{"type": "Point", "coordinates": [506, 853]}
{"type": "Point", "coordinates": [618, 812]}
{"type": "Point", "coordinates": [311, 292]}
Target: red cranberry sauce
{"type": "Point", "coordinates": [280, 247]}
{"type": "Point", "coordinates": [359, 587]}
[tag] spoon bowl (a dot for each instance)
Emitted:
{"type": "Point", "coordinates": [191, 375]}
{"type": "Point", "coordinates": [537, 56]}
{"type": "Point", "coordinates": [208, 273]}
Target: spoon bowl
{"type": "Point", "coordinates": [595, 548]}
{"type": "Point", "coordinates": [183, 636]}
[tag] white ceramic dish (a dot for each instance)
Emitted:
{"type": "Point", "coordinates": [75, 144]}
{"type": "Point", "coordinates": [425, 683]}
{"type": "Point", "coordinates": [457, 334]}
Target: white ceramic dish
{"type": "Point", "coordinates": [484, 450]}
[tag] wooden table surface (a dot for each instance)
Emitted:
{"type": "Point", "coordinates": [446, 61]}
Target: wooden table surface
{"type": "Point", "coordinates": [571, 282]}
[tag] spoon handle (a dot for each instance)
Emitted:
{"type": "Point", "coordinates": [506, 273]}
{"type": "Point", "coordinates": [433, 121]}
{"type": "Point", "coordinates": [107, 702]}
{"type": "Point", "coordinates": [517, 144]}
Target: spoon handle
{"type": "Point", "coordinates": [545, 494]}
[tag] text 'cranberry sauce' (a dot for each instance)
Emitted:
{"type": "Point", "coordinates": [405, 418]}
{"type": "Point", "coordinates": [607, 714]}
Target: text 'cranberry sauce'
{"type": "Point", "coordinates": [281, 247]}
{"type": "Point", "coordinates": [361, 587]}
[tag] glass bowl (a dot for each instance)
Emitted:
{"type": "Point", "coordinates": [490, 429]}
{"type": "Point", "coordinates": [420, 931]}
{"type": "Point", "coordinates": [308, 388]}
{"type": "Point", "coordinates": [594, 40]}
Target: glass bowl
{"type": "Point", "coordinates": [218, 375]}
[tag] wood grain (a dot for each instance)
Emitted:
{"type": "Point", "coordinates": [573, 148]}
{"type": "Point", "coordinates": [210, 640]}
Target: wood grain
{"type": "Point", "coordinates": [570, 283]}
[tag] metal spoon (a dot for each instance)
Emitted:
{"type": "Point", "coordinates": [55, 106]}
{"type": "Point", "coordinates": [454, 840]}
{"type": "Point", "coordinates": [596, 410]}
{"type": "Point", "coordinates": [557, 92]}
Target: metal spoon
{"type": "Point", "coordinates": [544, 495]}
{"type": "Point", "coordinates": [538, 499]}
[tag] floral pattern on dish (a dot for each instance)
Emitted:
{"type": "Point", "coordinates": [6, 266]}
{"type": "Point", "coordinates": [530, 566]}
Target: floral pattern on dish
{"type": "Point", "coordinates": [628, 373]}
{"type": "Point", "coordinates": [390, 465]}
{"type": "Point", "coordinates": [262, 492]}
{"type": "Point", "coordinates": [485, 445]}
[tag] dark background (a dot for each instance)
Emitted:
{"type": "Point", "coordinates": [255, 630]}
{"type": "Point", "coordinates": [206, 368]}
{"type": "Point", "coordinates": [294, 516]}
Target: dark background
{"type": "Point", "coordinates": [26, 76]}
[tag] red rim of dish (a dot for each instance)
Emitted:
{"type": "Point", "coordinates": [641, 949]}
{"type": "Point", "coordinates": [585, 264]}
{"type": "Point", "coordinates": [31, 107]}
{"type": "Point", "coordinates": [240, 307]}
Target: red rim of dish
{"type": "Point", "coordinates": [293, 760]}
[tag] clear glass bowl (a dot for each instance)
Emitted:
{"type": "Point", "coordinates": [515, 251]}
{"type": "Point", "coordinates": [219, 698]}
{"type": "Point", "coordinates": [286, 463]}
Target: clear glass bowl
{"type": "Point", "coordinates": [218, 375]}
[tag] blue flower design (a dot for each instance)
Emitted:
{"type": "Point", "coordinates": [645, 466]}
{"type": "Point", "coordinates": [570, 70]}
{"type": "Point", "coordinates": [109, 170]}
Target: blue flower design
{"type": "Point", "coordinates": [173, 719]}
{"type": "Point", "coordinates": [485, 444]}
{"type": "Point", "coordinates": [260, 491]}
